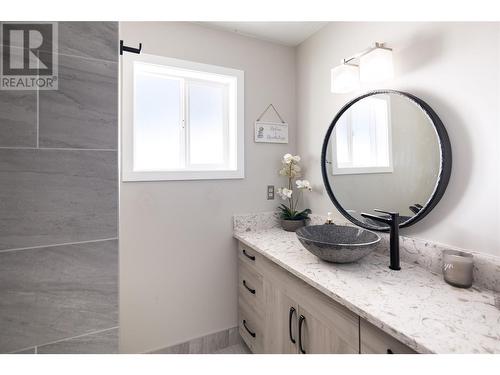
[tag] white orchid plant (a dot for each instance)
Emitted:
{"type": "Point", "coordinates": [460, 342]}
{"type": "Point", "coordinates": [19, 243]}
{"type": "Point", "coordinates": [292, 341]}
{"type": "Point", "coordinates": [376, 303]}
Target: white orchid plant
{"type": "Point", "coordinates": [293, 192]}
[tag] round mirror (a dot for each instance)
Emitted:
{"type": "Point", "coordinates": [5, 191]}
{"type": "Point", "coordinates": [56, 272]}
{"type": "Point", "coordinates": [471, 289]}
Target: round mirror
{"type": "Point", "coordinates": [386, 150]}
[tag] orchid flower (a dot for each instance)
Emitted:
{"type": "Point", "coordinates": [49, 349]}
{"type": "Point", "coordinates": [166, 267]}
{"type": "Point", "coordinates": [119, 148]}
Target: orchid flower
{"type": "Point", "coordinates": [303, 184]}
{"type": "Point", "coordinates": [285, 193]}
{"type": "Point", "coordinates": [292, 171]}
{"type": "Point", "coordinates": [289, 158]}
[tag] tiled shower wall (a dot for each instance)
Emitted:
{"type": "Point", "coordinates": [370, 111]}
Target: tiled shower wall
{"type": "Point", "coordinates": [59, 202]}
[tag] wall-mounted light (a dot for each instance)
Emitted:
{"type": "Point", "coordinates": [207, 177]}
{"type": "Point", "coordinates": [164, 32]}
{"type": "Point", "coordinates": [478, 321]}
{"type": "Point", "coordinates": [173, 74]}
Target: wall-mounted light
{"type": "Point", "coordinates": [376, 65]}
{"type": "Point", "coordinates": [373, 65]}
{"type": "Point", "coordinates": [345, 78]}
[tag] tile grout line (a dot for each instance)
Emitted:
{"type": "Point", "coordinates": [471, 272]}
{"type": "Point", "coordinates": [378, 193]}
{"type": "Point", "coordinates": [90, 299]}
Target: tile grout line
{"type": "Point", "coordinates": [35, 347]}
{"type": "Point", "coordinates": [82, 57]}
{"type": "Point", "coordinates": [89, 58]}
{"type": "Point", "coordinates": [57, 148]}
{"type": "Point", "coordinates": [78, 336]}
{"type": "Point", "coordinates": [38, 103]}
{"type": "Point", "coordinates": [59, 244]}
{"type": "Point", "coordinates": [38, 118]}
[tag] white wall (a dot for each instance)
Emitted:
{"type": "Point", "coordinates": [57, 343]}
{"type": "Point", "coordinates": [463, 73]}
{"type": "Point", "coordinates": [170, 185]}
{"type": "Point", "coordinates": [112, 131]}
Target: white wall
{"type": "Point", "coordinates": [455, 68]}
{"type": "Point", "coordinates": [178, 261]}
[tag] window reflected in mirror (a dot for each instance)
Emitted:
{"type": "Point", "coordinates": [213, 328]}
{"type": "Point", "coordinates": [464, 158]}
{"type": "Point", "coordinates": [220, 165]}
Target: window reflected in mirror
{"type": "Point", "coordinates": [362, 138]}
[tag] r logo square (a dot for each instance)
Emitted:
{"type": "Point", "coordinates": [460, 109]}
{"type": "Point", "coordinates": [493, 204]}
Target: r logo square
{"type": "Point", "coordinates": [29, 56]}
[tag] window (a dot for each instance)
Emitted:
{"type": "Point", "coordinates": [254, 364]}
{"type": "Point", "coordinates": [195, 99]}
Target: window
{"type": "Point", "coordinates": [362, 138]}
{"type": "Point", "coordinates": [180, 120]}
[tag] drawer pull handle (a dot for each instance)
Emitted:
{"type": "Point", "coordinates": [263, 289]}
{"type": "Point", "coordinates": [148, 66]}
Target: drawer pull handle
{"type": "Point", "coordinates": [302, 319]}
{"type": "Point", "coordinates": [290, 315]}
{"type": "Point", "coordinates": [248, 288]}
{"type": "Point", "coordinates": [248, 330]}
{"type": "Point", "coordinates": [389, 351]}
{"type": "Point", "coordinates": [251, 257]}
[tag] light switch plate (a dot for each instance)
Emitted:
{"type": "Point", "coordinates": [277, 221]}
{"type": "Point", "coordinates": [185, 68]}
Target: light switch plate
{"type": "Point", "coordinates": [270, 192]}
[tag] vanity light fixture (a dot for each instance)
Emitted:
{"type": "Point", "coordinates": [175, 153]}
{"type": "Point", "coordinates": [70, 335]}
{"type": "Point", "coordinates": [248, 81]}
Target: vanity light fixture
{"type": "Point", "coordinates": [371, 65]}
{"type": "Point", "coordinates": [345, 78]}
{"type": "Point", "coordinates": [376, 65]}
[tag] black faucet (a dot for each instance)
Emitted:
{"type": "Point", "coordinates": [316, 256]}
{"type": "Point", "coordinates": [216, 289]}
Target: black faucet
{"type": "Point", "coordinates": [393, 221]}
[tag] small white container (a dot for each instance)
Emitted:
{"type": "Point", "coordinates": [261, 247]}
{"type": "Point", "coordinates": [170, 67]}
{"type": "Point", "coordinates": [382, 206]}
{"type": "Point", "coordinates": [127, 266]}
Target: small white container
{"type": "Point", "coordinates": [457, 268]}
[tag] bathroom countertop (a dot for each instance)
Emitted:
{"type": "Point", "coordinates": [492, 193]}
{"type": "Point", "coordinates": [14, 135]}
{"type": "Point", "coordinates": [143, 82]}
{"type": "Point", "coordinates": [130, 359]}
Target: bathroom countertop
{"type": "Point", "coordinates": [413, 305]}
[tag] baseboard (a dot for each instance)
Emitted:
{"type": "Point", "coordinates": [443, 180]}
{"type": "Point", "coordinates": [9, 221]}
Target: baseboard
{"type": "Point", "coordinates": [204, 345]}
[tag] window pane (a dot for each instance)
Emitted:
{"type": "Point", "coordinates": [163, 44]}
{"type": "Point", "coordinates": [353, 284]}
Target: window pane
{"type": "Point", "coordinates": [363, 135]}
{"type": "Point", "coordinates": [342, 142]}
{"type": "Point", "coordinates": [157, 122]}
{"type": "Point", "coordinates": [206, 124]}
{"type": "Point", "coordinates": [382, 132]}
{"type": "Point", "coordinates": [361, 140]}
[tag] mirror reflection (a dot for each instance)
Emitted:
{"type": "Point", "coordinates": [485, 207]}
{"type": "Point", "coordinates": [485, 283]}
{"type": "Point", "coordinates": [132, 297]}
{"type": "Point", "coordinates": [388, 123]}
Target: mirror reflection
{"type": "Point", "coordinates": [384, 153]}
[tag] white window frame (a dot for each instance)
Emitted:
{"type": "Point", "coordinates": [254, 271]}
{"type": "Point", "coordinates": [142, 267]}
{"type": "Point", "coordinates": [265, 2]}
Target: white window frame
{"type": "Point", "coordinates": [233, 146]}
{"type": "Point", "coordinates": [336, 170]}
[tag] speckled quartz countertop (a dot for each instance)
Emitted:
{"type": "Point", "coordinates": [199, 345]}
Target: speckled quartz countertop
{"type": "Point", "coordinates": [414, 305]}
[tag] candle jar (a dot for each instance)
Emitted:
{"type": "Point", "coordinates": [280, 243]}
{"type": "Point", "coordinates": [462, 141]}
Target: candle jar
{"type": "Point", "coordinates": [457, 268]}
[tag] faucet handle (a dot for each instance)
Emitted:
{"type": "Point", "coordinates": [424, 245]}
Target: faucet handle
{"type": "Point", "coordinates": [392, 214]}
{"type": "Point", "coordinates": [414, 209]}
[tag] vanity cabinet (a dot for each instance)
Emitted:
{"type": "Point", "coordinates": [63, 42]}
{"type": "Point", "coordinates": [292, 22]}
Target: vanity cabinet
{"type": "Point", "coordinates": [279, 313]}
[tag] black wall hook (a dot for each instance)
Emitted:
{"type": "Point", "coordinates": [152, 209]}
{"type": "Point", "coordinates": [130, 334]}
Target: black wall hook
{"type": "Point", "coordinates": [129, 49]}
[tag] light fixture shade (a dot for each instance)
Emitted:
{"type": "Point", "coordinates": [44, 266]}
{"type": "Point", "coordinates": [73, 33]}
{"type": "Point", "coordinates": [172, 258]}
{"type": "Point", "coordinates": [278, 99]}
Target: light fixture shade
{"type": "Point", "coordinates": [376, 66]}
{"type": "Point", "coordinates": [345, 78]}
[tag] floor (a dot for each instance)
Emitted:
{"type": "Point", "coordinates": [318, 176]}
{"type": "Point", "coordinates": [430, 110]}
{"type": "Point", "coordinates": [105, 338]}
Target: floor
{"type": "Point", "coordinates": [106, 343]}
{"type": "Point", "coordinates": [235, 349]}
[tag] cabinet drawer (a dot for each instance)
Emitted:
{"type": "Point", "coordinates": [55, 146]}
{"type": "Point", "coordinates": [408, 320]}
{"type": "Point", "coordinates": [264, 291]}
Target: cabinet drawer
{"type": "Point", "coordinates": [250, 327]}
{"type": "Point", "coordinates": [376, 341]}
{"type": "Point", "coordinates": [249, 256]}
{"type": "Point", "coordinates": [250, 286]}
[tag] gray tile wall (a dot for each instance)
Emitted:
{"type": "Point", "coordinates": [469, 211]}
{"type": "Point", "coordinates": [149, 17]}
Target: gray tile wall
{"type": "Point", "coordinates": [58, 202]}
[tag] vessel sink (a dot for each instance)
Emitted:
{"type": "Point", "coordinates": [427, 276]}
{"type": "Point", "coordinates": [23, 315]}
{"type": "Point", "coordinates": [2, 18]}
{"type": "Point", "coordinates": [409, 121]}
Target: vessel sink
{"type": "Point", "coordinates": [338, 243]}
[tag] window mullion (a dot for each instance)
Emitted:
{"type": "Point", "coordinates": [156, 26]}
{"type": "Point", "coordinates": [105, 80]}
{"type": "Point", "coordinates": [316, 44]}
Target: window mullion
{"type": "Point", "coordinates": [186, 145]}
{"type": "Point", "coordinates": [182, 140]}
{"type": "Point", "coordinates": [226, 132]}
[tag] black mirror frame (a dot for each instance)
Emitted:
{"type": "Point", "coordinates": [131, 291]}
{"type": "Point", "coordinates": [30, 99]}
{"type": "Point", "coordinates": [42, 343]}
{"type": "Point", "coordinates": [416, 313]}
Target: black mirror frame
{"type": "Point", "coordinates": [444, 171]}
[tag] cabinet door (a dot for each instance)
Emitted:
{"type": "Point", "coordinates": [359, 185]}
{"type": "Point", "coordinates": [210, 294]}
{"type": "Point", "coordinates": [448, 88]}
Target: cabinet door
{"type": "Point", "coordinates": [320, 334]}
{"type": "Point", "coordinates": [375, 341]}
{"type": "Point", "coordinates": [280, 322]}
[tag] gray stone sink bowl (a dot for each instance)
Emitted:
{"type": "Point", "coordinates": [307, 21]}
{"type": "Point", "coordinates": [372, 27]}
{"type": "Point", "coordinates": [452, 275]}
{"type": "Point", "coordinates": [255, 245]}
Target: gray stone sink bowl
{"type": "Point", "coordinates": [337, 243]}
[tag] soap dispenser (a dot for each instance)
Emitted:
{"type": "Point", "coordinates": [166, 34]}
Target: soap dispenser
{"type": "Point", "coordinates": [329, 220]}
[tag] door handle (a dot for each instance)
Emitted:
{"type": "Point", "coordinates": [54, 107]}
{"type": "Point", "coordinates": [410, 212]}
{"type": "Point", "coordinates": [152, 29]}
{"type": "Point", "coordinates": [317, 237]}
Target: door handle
{"type": "Point", "coordinates": [302, 319]}
{"type": "Point", "coordinates": [248, 330]}
{"type": "Point", "coordinates": [248, 288]}
{"type": "Point", "coordinates": [290, 315]}
{"type": "Point", "coordinates": [251, 257]}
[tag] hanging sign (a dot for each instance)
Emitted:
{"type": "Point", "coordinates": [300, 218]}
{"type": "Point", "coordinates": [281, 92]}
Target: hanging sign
{"type": "Point", "coordinates": [271, 132]}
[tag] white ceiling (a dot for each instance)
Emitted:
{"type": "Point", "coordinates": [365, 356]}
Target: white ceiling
{"type": "Point", "coordinates": [286, 33]}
